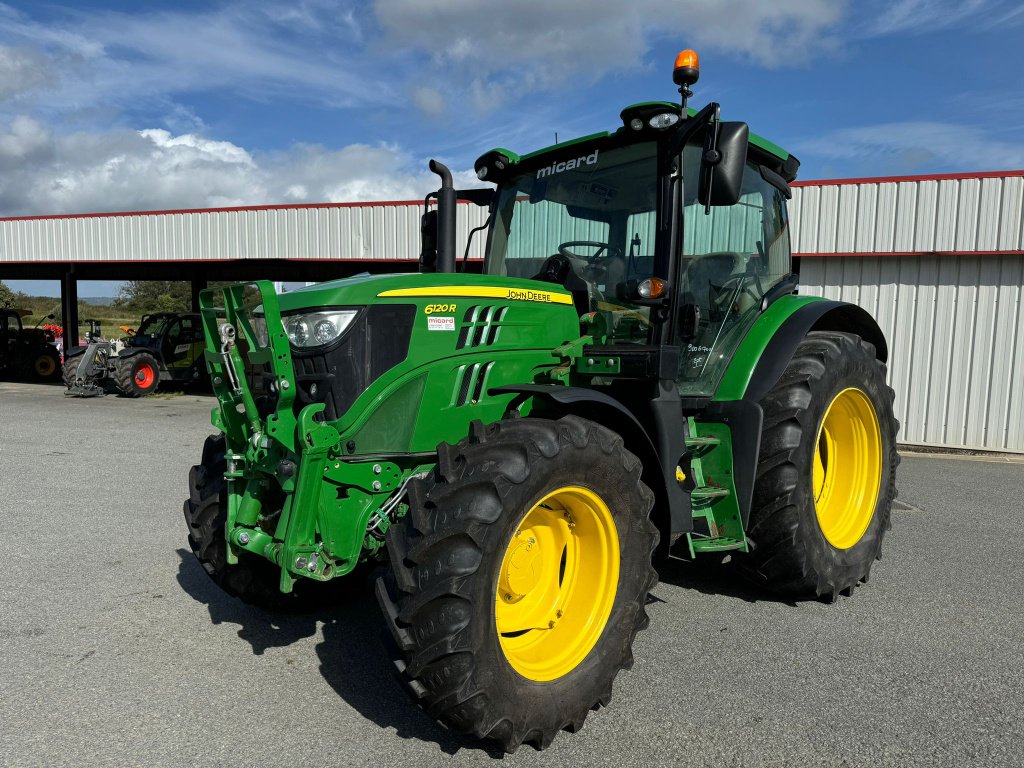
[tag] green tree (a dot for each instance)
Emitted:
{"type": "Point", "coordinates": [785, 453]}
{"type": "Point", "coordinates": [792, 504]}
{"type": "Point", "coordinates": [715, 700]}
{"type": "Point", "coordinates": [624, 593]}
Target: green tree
{"type": "Point", "coordinates": [141, 296]}
{"type": "Point", "coordinates": [7, 296]}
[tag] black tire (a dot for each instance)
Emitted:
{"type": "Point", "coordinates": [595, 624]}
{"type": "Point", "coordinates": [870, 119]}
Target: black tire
{"type": "Point", "coordinates": [439, 599]}
{"type": "Point", "coordinates": [46, 365]}
{"type": "Point", "coordinates": [790, 553]}
{"type": "Point", "coordinates": [253, 579]}
{"type": "Point", "coordinates": [131, 376]}
{"type": "Point", "coordinates": [70, 370]}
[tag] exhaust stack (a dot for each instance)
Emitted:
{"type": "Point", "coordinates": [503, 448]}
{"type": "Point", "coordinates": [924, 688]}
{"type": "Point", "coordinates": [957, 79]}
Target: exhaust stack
{"type": "Point", "coordinates": [445, 218]}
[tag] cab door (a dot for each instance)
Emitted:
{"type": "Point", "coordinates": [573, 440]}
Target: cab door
{"type": "Point", "coordinates": [178, 347]}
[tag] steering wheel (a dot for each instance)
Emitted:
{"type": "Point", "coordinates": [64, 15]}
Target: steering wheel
{"type": "Point", "coordinates": [604, 250]}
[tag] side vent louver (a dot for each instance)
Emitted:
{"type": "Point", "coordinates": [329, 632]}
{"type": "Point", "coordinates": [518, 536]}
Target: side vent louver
{"type": "Point", "coordinates": [470, 382]}
{"type": "Point", "coordinates": [480, 326]}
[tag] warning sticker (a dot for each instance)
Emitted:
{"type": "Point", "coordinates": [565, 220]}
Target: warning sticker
{"type": "Point", "coordinates": [435, 323]}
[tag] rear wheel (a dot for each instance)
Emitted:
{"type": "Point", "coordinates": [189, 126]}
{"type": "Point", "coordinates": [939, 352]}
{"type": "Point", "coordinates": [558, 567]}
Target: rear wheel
{"type": "Point", "coordinates": [138, 375]}
{"type": "Point", "coordinates": [826, 475]}
{"type": "Point", "coordinates": [519, 578]}
{"type": "Point", "coordinates": [253, 579]}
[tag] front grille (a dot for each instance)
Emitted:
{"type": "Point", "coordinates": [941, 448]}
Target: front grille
{"type": "Point", "coordinates": [376, 342]}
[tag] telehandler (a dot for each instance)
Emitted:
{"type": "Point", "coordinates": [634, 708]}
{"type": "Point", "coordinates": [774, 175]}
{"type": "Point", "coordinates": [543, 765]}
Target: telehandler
{"type": "Point", "coordinates": [632, 377]}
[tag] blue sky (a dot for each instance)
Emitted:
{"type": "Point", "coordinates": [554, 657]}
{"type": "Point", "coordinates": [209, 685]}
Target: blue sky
{"type": "Point", "coordinates": [133, 105]}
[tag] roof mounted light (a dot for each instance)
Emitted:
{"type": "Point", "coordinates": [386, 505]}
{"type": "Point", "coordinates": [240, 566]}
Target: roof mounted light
{"type": "Point", "coordinates": [687, 68]}
{"type": "Point", "coordinates": [663, 120]}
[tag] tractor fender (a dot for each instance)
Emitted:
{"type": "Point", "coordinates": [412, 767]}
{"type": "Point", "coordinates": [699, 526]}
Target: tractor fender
{"type": "Point", "coordinates": [74, 352]}
{"type": "Point", "coordinates": [671, 513]}
{"type": "Point", "coordinates": [817, 316]}
{"type": "Point", "coordinates": [737, 402]}
{"type": "Point", "coordinates": [127, 352]}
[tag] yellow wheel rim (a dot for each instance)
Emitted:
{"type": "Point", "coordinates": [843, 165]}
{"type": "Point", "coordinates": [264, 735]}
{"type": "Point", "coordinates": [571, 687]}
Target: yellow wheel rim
{"type": "Point", "coordinates": [45, 365]}
{"type": "Point", "coordinates": [557, 583]}
{"type": "Point", "coordinates": [847, 468]}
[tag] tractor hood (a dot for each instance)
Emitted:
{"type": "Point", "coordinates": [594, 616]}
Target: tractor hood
{"type": "Point", "coordinates": [364, 290]}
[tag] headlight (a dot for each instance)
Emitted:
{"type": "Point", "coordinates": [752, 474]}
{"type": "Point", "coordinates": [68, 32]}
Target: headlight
{"type": "Point", "coordinates": [314, 329]}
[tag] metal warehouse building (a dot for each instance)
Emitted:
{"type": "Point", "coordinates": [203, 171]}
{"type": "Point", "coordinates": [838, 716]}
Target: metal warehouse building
{"type": "Point", "coordinates": [938, 260]}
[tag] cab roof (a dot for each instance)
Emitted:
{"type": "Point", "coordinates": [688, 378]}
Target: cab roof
{"type": "Point", "coordinates": [774, 155]}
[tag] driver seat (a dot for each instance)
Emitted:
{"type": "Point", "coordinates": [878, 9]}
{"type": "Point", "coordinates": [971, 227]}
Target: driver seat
{"type": "Point", "coordinates": [558, 269]}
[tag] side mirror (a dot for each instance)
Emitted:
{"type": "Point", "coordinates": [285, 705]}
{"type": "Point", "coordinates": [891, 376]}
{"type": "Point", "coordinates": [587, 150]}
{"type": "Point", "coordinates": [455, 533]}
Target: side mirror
{"type": "Point", "coordinates": [721, 167]}
{"type": "Point", "coordinates": [428, 241]}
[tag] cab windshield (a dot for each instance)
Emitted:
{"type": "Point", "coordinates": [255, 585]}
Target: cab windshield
{"type": "Point", "coordinates": [151, 329]}
{"type": "Point", "coordinates": [596, 209]}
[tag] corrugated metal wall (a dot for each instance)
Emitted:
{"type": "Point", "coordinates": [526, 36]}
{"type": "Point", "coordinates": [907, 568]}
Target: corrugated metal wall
{"type": "Point", "coordinates": [939, 263]}
{"type": "Point", "coordinates": [359, 232]}
{"type": "Point", "coordinates": [956, 333]}
{"type": "Point", "coordinates": [926, 215]}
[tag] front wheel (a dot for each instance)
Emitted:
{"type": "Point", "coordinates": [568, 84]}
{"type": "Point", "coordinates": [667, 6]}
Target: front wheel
{"type": "Point", "coordinates": [827, 470]}
{"type": "Point", "coordinates": [519, 578]}
{"type": "Point", "coordinates": [252, 579]}
{"type": "Point", "coordinates": [138, 375]}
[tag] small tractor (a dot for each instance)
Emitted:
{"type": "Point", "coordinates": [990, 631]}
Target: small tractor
{"type": "Point", "coordinates": [26, 354]}
{"type": "Point", "coordinates": [632, 377]}
{"type": "Point", "coordinates": [168, 346]}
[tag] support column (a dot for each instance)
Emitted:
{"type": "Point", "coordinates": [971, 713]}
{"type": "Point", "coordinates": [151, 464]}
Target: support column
{"type": "Point", "coordinates": [199, 282]}
{"type": "Point", "coordinates": [69, 307]}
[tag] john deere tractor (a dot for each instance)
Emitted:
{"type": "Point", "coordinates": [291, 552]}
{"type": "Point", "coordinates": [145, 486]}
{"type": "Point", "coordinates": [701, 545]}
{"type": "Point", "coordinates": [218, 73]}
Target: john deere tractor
{"type": "Point", "coordinates": [632, 377]}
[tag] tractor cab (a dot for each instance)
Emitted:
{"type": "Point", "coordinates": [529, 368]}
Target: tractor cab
{"type": "Point", "coordinates": [601, 216]}
{"type": "Point", "coordinates": [177, 337]}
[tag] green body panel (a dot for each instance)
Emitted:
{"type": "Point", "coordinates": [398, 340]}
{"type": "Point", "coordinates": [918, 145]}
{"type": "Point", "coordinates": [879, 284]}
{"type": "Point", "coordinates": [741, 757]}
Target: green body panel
{"type": "Point", "coordinates": [345, 471]}
{"type": "Point", "coordinates": [737, 376]}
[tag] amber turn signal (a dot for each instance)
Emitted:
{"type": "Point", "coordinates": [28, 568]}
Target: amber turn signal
{"type": "Point", "coordinates": [651, 288]}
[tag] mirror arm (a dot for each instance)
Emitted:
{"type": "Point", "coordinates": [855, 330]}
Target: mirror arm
{"type": "Point", "coordinates": [711, 155]}
{"type": "Point", "coordinates": [688, 127]}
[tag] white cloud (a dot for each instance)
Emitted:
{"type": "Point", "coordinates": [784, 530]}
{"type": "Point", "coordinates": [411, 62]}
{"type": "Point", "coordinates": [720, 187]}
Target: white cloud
{"type": "Point", "coordinates": [152, 169]}
{"type": "Point", "coordinates": [903, 16]}
{"type": "Point", "coordinates": [909, 146]}
{"type": "Point", "coordinates": [428, 100]}
{"type": "Point", "coordinates": [22, 70]}
{"type": "Point", "coordinates": [311, 51]}
{"type": "Point", "coordinates": [544, 43]}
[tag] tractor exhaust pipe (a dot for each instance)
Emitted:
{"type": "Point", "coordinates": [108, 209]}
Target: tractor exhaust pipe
{"type": "Point", "coordinates": [445, 218]}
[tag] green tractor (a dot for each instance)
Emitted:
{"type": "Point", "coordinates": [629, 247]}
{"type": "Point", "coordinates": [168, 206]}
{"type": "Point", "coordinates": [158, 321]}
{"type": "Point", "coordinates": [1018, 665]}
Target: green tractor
{"type": "Point", "coordinates": [633, 377]}
{"type": "Point", "coordinates": [167, 347]}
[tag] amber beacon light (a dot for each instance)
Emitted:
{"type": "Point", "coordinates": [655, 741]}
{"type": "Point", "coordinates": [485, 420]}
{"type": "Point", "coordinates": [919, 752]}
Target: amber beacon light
{"type": "Point", "coordinates": [687, 68]}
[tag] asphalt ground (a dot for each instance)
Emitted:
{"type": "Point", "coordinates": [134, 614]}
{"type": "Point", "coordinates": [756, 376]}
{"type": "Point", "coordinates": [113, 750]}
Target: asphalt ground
{"type": "Point", "coordinates": [116, 650]}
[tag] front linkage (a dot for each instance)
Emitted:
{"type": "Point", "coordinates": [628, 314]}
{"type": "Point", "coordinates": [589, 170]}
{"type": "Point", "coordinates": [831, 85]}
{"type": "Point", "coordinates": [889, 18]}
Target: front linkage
{"type": "Point", "coordinates": [288, 476]}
